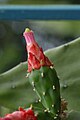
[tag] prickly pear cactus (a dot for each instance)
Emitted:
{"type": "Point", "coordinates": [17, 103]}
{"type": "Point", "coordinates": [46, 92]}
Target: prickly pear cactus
{"type": "Point", "coordinates": [43, 76]}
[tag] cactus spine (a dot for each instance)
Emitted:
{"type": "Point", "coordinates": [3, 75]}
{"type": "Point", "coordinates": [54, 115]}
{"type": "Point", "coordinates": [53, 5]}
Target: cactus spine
{"type": "Point", "coordinates": [43, 77]}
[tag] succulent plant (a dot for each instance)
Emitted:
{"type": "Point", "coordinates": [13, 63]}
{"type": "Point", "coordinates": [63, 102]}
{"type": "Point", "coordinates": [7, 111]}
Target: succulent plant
{"type": "Point", "coordinates": [43, 76]}
{"type": "Point", "coordinates": [15, 89]}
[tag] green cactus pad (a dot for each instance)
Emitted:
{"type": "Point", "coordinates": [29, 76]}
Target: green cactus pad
{"type": "Point", "coordinates": [67, 64]}
{"type": "Point", "coordinates": [46, 83]}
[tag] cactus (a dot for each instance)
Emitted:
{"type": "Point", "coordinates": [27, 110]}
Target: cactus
{"type": "Point", "coordinates": [15, 87]}
{"type": "Point", "coordinates": [43, 76]}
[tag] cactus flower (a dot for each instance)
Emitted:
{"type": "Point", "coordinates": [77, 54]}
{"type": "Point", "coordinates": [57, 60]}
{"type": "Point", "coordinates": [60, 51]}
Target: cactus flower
{"type": "Point", "coordinates": [36, 57]}
{"type": "Point", "coordinates": [20, 115]}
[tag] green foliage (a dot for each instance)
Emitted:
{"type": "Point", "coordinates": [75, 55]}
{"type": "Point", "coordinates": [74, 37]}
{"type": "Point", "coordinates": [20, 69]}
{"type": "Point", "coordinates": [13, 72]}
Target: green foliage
{"type": "Point", "coordinates": [15, 89]}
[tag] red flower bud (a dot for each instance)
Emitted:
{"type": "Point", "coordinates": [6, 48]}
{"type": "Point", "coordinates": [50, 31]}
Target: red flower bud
{"type": "Point", "coordinates": [21, 115]}
{"type": "Point", "coordinates": [36, 57]}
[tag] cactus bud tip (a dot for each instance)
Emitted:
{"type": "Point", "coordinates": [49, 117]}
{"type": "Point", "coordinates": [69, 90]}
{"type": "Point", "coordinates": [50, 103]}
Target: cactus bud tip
{"type": "Point", "coordinates": [27, 30]}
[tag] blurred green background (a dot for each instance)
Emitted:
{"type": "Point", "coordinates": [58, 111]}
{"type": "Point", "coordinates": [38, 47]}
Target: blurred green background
{"type": "Point", "coordinates": [48, 34]}
{"type": "Point", "coordinates": [40, 1]}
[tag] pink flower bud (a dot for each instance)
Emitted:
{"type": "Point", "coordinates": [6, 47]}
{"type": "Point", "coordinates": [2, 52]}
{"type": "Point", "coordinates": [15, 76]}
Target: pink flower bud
{"type": "Point", "coordinates": [36, 57]}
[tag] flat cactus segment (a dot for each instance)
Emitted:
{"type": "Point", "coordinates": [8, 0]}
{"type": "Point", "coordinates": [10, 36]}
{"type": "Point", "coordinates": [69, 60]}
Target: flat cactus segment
{"type": "Point", "coordinates": [46, 84]}
{"type": "Point", "coordinates": [13, 85]}
{"type": "Point", "coordinates": [67, 63]}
